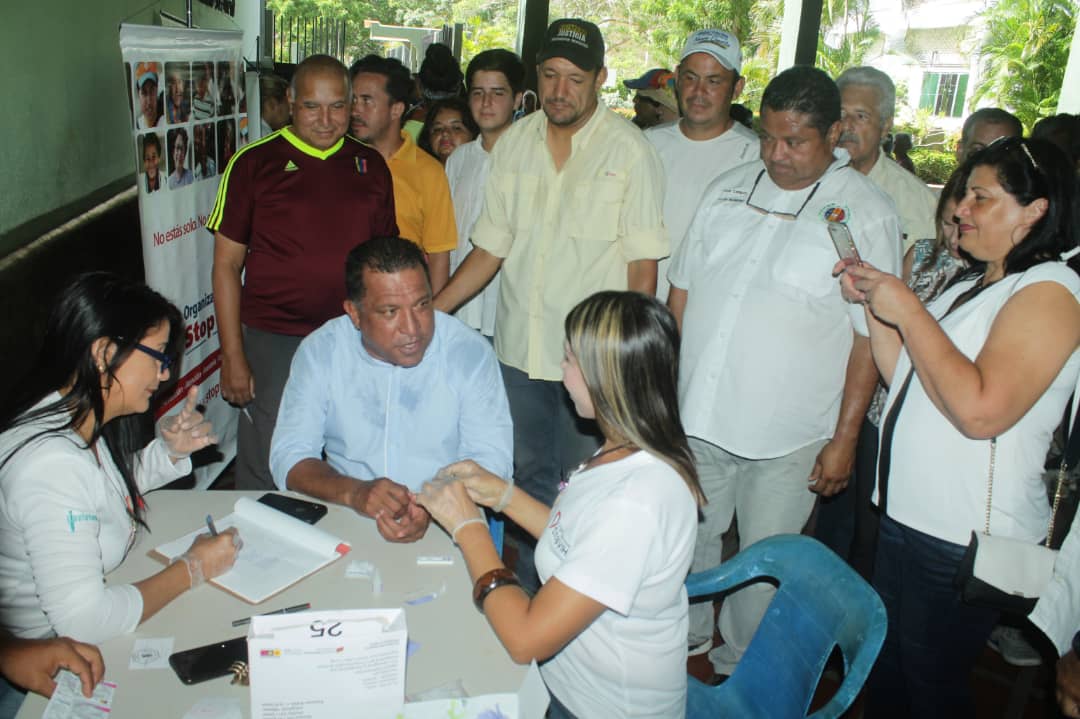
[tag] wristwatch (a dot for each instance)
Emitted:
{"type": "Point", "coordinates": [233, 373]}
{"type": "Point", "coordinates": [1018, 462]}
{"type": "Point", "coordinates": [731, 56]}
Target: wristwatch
{"type": "Point", "coordinates": [489, 582]}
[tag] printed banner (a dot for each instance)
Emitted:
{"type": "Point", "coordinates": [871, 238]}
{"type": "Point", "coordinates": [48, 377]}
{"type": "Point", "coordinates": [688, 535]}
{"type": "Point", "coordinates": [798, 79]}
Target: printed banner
{"type": "Point", "coordinates": [188, 117]}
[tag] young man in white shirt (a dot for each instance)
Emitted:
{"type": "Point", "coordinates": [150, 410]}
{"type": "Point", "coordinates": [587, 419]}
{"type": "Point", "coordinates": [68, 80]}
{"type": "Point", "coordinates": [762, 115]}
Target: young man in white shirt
{"type": "Point", "coordinates": [495, 80]}
{"type": "Point", "coordinates": [706, 142]}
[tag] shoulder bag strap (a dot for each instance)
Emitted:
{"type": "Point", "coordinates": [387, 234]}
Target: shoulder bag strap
{"type": "Point", "coordinates": [885, 449]}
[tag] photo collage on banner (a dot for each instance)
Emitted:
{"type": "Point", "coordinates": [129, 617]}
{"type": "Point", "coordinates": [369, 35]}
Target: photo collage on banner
{"type": "Point", "coordinates": [189, 117]}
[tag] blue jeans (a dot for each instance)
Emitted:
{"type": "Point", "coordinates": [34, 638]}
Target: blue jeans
{"type": "Point", "coordinates": [550, 440]}
{"type": "Point", "coordinates": [933, 638]}
{"type": "Point", "coordinates": [11, 699]}
{"type": "Point", "coordinates": [847, 523]}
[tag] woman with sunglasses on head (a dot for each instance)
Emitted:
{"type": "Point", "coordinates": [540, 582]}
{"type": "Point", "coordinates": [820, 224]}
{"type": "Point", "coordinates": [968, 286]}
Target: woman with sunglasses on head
{"type": "Point", "coordinates": [72, 473]}
{"type": "Point", "coordinates": [978, 380]}
{"type": "Point", "coordinates": [614, 550]}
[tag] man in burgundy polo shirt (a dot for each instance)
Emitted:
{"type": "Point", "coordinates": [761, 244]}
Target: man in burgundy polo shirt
{"type": "Point", "coordinates": [289, 209]}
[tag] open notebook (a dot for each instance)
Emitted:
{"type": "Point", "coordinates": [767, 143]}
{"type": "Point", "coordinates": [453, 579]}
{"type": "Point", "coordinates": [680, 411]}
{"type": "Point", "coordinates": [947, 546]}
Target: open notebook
{"type": "Point", "coordinates": [278, 550]}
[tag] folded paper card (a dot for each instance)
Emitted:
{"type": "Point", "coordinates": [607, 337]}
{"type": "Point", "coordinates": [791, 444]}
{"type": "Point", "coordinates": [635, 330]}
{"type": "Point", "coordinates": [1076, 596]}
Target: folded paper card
{"type": "Point", "coordinates": [328, 664]}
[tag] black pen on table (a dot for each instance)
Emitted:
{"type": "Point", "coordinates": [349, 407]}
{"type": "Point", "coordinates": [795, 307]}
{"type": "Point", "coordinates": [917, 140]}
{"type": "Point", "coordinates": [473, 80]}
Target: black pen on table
{"type": "Point", "coordinates": [210, 525]}
{"type": "Point", "coordinates": [287, 610]}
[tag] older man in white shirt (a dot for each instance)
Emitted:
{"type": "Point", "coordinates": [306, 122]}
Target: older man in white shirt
{"type": "Point", "coordinates": [867, 106]}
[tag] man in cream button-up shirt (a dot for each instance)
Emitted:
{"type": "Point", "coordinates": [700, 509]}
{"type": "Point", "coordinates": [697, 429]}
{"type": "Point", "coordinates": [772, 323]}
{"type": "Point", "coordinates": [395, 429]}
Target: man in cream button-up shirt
{"type": "Point", "coordinates": [573, 206]}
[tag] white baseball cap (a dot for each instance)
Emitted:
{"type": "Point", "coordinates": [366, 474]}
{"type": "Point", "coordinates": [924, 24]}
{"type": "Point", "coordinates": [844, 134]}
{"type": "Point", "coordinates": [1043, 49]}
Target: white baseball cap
{"type": "Point", "coordinates": [721, 44]}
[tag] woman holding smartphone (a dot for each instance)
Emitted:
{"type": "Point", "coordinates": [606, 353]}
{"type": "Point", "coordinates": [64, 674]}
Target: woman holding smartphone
{"type": "Point", "coordinates": [978, 380]}
{"type": "Point", "coordinates": [614, 550]}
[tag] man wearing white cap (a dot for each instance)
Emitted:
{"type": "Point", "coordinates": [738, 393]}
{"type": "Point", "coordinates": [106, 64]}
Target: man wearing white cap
{"type": "Point", "coordinates": [706, 142]}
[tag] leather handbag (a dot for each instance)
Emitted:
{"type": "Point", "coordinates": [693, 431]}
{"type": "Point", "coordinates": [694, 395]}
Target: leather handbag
{"type": "Point", "coordinates": [1010, 574]}
{"type": "Point", "coordinates": [1003, 573]}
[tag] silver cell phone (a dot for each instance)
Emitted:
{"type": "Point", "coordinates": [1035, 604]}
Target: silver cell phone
{"type": "Point", "coordinates": [844, 242]}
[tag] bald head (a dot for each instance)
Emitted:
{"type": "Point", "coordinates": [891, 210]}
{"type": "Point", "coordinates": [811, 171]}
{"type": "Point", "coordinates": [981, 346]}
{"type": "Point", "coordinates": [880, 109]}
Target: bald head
{"type": "Point", "coordinates": [319, 65]}
{"type": "Point", "coordinates": [319, 96]}
{"type": "Point", "coordinates": [983, 127]}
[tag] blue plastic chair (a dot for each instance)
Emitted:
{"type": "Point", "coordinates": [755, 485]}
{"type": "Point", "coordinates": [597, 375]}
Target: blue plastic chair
{"type": "Point", "coordinates": [821, 604]}
{"type": "Point", "coordinates": [495, 526]}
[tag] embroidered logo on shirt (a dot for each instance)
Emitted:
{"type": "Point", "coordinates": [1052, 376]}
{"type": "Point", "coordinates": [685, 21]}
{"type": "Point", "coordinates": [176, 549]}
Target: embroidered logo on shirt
{"type": "Point", "coordinates": [834, 213]}
{"type": "Point", "coordinates": [361, 165]}
{"type": "Point", "coordinates": [557, 536]}
{"type": "Point", "coordinates": [290, 166]}
{"type": "Point", "coordinates": [74, 518]}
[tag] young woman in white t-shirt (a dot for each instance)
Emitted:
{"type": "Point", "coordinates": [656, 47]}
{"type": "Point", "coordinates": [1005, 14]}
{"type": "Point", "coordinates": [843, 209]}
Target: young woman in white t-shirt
{"type": "Point", "coordinates": [613, 552]}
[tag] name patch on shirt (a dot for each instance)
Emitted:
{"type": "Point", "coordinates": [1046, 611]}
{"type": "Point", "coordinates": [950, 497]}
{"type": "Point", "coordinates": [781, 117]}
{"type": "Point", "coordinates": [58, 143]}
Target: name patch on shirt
{"type": "Point", "coordinates": [732, 195]}
{"type": "Point", "coordinates": [74, 518]}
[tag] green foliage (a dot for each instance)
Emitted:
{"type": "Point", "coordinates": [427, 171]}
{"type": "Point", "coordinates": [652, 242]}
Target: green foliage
{"type": "Point", "coordinates": [933, 166]}
{"type": "Point", "coordinates": [1024, 54]}
{"type": "Point", "coordinates": [353, 12]}
{"type": "Point", "coordinates": [847, 34]}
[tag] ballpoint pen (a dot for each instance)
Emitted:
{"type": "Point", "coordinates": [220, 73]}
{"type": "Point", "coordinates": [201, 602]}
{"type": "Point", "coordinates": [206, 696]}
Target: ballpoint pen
{"type": "Point", "coordinates": [210, 525]}
{"type": "Point", "coordinates": [287, 610]}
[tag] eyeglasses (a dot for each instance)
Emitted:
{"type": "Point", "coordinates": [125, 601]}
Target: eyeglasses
{"type": "Point", "coordinates": [789, 216]}
{"type": "Point", "coordinates": [165, 360]}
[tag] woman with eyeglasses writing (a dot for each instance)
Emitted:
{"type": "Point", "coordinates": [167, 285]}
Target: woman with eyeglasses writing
{"type": "Point", "coordinates": [72, 473]}
{"type": "Point", "coordinates": [978, 380]}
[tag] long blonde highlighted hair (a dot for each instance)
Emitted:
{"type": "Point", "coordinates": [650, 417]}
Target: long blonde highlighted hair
{"type": "Point", "coordinates": [627, 346]}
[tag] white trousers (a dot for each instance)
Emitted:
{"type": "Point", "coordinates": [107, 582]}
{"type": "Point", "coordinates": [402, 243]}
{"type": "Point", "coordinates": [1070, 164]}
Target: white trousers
{"type": "Point", "coordinates": [769, 497]}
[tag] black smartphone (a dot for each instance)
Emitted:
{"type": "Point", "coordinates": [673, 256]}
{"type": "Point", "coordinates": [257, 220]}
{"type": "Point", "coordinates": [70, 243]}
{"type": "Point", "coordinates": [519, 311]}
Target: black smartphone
{"type": "Point", "coordinates": [310, 512]}
{"type": "Point", "coordinates": [208, 662]}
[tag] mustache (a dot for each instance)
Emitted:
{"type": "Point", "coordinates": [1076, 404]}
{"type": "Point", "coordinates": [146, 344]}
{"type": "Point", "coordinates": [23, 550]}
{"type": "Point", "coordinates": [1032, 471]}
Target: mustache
{"type": "Point", "coordinates": [848, 137]}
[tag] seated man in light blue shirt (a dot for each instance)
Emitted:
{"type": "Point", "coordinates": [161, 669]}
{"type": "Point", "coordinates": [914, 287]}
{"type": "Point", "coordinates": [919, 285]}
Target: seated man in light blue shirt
{"type": "Point", "coordinates": [380, 399]}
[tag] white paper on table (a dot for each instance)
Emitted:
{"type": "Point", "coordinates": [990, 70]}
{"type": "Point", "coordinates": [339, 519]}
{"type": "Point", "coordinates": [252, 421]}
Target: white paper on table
{"type": "Point", "coordinates": [278, 550]}
{"type": "Point", "coordinates": [216, 708]}
{"type": "Point", "coordinates": [328, 664]}
{"type": "Point", "coordinates": [151, 653]}
{"type": "Point", "coordinates": [530, 702]}
{"type": "Point", "coordinates": [68, 701]}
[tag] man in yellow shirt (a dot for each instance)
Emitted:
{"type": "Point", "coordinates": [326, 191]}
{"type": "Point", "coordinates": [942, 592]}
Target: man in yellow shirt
{"type": "Point", "coordinates": [573, 205]}
{"type": "Point", "coordinates": [425, 212]}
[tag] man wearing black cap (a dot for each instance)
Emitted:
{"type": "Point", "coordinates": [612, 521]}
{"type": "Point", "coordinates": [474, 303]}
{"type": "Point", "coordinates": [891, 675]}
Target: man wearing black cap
{"type": "Point", "coordinates": [573, 205]}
